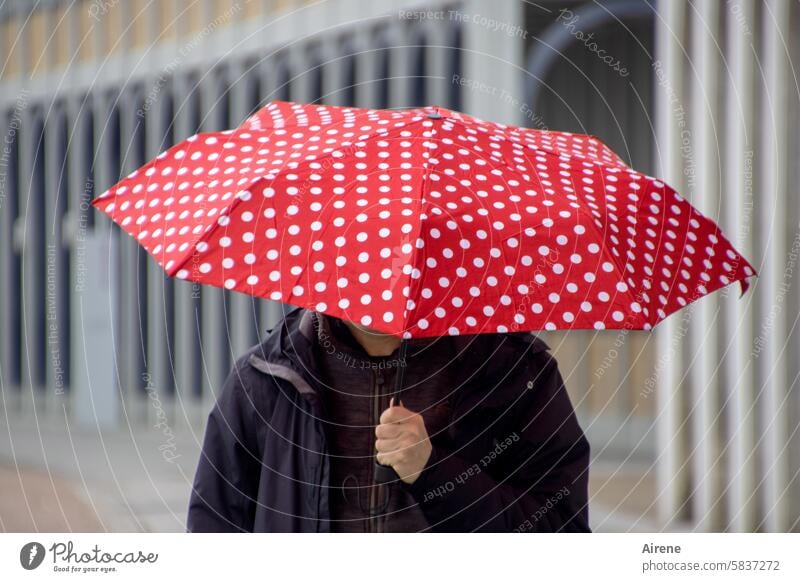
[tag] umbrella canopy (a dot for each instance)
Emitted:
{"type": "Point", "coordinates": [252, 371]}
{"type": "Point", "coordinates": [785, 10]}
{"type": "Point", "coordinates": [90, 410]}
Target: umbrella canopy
{"type": "Point", "coordinates": [424, 222]}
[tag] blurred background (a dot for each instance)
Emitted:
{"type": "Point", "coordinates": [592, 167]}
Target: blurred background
{"type": "Point", "coordinates": [108, 368]}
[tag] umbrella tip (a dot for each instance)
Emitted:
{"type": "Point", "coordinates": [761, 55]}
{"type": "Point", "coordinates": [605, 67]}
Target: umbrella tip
{"type": "Point", "coordinates": [745, 285]}
{"type": "Point", "coordinates": [434, 115]}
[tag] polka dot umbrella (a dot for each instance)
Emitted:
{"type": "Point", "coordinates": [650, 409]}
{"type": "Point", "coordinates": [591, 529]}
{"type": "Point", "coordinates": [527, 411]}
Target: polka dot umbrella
{"type": "Point", "coordinates": [424, 222]}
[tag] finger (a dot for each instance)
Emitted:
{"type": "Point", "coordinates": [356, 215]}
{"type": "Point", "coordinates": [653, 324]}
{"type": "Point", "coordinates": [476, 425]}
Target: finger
{"type": "Point", "coordinates": [389, 445]}
{"type": "Point", "coordinates": [396, 414]}
{"type": "Point", "coordinates": [390, 459]}
{"type": "Point", "coordinates": [388, 431]}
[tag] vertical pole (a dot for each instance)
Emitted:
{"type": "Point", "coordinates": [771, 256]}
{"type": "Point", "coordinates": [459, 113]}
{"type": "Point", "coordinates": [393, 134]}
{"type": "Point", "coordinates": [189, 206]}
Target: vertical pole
{"type": "Point", "coordinates": [400, 64]}
{"type": "Point", "coordinates": [270, 310]}
{"type": "Point", "coordinates": [439, 75]}
{"type": "Point", "coordinates": [94, 397]}
{"type": "Point", "coordinates": [772, 213]}
{"type": "Point", "coordinates": [702, 374]}
{"type": "Point", "coordinates": [669, 74]}
{"type": "Point", "coordinates": [155, 308]}
{"type": "Point", "coordinates": [188, 367]}
{"type": "Point", "coordinates": [493, 58]}
{"type": "Point", "coordinates": [214, 313]}
{"type": "Point", "coordinates": [7, 190]}
{"type": "Point", "coordinates": [367, 61]}
{"type": "Point", "coordinates": [242, 321]}
{"type": "Point", "coordinates": [130, 330]}
{"type": "Point", "coordinates": [738, 169]}
{"type": "Point", "coordinates": [96, 401]}
{"type": "Point", "coordinates": [52, 268]}
{"type": "Point", "coordinates": [33, 250]}
{"type": "Point", "coordinates": [333, 62]}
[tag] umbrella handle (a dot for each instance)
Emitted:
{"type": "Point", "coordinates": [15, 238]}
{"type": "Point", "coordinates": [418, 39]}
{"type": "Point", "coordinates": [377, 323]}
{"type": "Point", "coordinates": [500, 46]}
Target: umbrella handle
{"type": "Point", "coordinates": [383, 473]}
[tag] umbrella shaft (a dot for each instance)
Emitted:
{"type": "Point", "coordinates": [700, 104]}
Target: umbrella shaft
{"type": "Point", "coordinates": [398, 383]}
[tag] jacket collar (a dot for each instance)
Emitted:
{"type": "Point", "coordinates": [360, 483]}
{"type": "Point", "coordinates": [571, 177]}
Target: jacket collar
{"type": "Point", "coordinates": [290, 350]}
{"type": "Point", "coordinates": [286, 352]}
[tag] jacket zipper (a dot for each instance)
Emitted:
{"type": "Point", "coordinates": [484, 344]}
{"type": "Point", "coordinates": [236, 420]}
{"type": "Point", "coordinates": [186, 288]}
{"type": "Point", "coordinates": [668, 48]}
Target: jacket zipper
{"type": "Point", "coordinates": [317, 407]}
{"type": "Point", "coordinates": [376, 490]}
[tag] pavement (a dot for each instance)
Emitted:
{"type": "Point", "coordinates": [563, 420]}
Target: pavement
{"type": "Point", "coordinates": [62, 478]}
{"type": "Point", "coordinates": [35, 501]}
{"type": "Point", "coordinates": [57, 477]}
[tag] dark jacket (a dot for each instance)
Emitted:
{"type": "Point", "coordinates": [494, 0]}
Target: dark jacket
{"type": "Point", "coordinates": [514, 457]}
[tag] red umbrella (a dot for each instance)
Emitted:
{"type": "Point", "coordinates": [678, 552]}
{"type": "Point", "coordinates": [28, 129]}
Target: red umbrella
{"type": "Point", "coordinates": [424, 222]}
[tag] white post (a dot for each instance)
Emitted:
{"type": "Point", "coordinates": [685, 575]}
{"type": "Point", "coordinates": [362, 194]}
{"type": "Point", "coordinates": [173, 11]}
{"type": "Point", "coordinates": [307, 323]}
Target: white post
{"type": "Point", "coordinates": [437, 35]}
{"type": "Point", "coordinates": [669, 75]}
{"type": "Point", "coordinates": [772, 213]}
{"type": "Point", "coordinates": [94, 398]}
{"type": "Point", "coordinates": [704, 196]}
{"type": "Point", "coordinates": [737, 222]}
{"type": "Point", "coordinates": [493, 57]}
{"type": "Point", "coordinates": [95, 401]}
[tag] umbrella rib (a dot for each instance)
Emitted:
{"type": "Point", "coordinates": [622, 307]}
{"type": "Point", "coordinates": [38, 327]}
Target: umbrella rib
{"type": "Point", "coordinates": [562, 155]}
{"type": "Point", "coordinates": [412, 288]}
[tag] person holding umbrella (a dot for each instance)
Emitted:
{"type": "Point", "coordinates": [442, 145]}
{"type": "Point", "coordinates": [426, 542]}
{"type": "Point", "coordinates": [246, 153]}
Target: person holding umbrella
{"type": "Point", "coordinates": [420, 248]}
{"type": "Point", "coordinates": [483, 439]}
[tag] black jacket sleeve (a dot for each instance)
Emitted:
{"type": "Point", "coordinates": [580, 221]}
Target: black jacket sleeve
{"type": "Point", "coordinates": [537, 482]}
{"type": "Point", "coordinates": [225, 488]}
